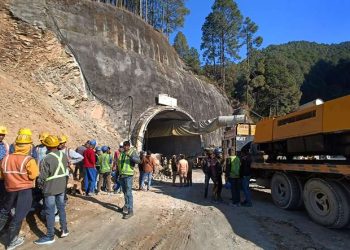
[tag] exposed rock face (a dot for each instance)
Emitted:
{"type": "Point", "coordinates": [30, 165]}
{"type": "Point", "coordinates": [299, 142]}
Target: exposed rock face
{"type": "Point", "coordinates": [120, 56]}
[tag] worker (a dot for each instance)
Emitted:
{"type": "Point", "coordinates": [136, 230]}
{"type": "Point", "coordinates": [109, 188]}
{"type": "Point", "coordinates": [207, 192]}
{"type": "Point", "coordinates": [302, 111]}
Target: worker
{"type": "Point", "coordinates": [141, 169]}
{"type": "Point", "coordinates": [189, 172]}
{"type": "Point", "coordinates": [73, 156]}
{"type": "Point", "coordinates": [182, 169]}
{"type": "Point", "coordinates": [126, 163]}
{"type": "Point", "coordinates": [213, 170]}
{"type": "Point", "coordinates": [148, 165]}
{"type": "Point", "coordinates": [245, 173]}
{"type": "Point", "coordinates": [41, 151]}
{"type": "Point", "coordinates": [32, 151]}
{"type": "Point", "coordinates": [220, 158]}
{"type": "Point", "coordinates": [19, 171]}
{"type": "Point", "coordinates": [41, 148]}
{"type": "Point", "coordinates": [232, 175]}
{"type": "Point", "coordinates": [98, 152]}
{"type": "Point", "coordinates": [116, 156]}
{"type": "Point", "coordinates": [105, 161]}
{"type": "Point", "coordinates": [89, 168]}
{"type": "Point", "coordinates": [80, 165]}
{"type": "Point", "coordinates": [174, 168]}
{"type": "Point", "coordinates": [53, 180]}
{"type": "Point", "coordinates": [4, 150]}
{"type": "Point", "coordinates": [4, 147]}
{"type": "Point", "coordinates": [206, 167]}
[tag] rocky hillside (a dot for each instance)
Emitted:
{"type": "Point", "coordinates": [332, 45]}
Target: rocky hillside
{"type": "Point", "coordinates": [42, 88]}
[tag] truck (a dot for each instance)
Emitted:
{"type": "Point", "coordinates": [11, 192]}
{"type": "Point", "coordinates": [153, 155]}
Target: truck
{"type": "Point", "coordinates": [304, 157]}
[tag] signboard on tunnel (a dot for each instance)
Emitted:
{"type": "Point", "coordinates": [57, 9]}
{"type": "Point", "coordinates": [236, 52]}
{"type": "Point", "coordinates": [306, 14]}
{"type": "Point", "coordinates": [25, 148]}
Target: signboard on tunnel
{"type": "Point", "coordinates": [164, 99]}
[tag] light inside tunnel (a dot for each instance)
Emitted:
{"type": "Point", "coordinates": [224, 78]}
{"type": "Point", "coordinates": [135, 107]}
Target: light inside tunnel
{"type": "Point", "coordinates": [165, 144]}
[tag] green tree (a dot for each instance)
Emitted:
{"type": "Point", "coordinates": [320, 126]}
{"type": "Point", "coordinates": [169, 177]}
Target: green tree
{"type": "Point", "coordinates": [174, 12]}
{"type": "Point", "coordinates": [209, 45]}
{"type": "Point", "coordinates": [189, 55]}
{"type": "Point", "coordinates": [181, 45]}
{"type": "Point", "coordinates": [251, 42]}
{"type": "Point", "coordinates": [192, 60]}
{"type": "Point", "coordinates": [220, 36]}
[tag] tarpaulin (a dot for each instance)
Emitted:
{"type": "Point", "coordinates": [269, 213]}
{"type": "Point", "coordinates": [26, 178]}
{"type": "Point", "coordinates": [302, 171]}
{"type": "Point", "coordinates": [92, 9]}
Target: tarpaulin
{"type": "Point", "coordinates": [192, 128]}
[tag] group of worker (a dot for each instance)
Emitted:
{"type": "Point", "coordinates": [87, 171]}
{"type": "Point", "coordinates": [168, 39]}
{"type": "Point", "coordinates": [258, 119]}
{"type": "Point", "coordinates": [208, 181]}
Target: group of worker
{"type": "Point", "coordinates": [181, 167]}
{"type": "Point", "coordinates": [20, 170]}
{"type": "Point", "coordinates": [236, 170]}
{"type": "Point", "coordinates": [27, 170]}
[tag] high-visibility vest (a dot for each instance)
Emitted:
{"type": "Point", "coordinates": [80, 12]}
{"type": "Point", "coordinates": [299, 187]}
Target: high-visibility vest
{"type": "Point", "coordinates": [105, 163]}
{"type": "Point", "coordinates": [235, 166]}
{"type": "Point", "coordinates": [61, 170]}
{"type": "Point", "coordinates": [15, 172]}
{"type": "Point", "coordinates": [124, 163]}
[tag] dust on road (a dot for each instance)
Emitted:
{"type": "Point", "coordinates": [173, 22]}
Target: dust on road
{"type": "Point", "coordinates": [180, 218]}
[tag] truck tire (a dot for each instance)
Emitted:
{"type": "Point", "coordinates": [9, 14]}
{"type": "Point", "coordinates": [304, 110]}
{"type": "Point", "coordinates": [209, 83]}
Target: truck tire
{"type": "Point", "coordinates": [286, 191]}
{"type": "Point", "coordinates": [326, 203]}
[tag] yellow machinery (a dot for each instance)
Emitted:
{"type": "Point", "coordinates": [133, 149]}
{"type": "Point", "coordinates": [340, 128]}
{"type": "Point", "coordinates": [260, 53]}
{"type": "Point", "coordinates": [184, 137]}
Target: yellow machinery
{"type": "Point", "coordinates": [315, 130]}
{"type": "Point", "coordinates": [321, 185]}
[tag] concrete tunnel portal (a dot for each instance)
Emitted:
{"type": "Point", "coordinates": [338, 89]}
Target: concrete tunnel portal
{"type": "Point", "coordinates": [147, 133]}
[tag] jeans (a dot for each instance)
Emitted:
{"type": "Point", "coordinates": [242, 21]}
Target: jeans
{"type": "Point", "coordinates": [149, 180]}
{"type": "Point", "coordinates": [126, 183]}
{"type": "Point", "coordinates": [235, 192]}
{"type": "Point", "coordinates": [50, 203]}
{"type": "Point", "coordinates": [21, 201]}
{"type": "Point", "coordinates": [141, 179]}
{"type": "Point", "coordinates": [90, 180]}
{"type": "Point", "coordinates": [246, 190]}
{"type": "Point", "coordinates": [206, 185]}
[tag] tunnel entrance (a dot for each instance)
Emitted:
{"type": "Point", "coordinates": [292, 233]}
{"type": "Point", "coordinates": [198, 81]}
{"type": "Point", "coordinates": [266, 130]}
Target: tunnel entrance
{"type": "Point", "coordinates": [151, 136]}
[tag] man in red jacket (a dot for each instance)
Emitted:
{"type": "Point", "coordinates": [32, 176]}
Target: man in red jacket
{"type": "Point", "coordinates": [90, 168]}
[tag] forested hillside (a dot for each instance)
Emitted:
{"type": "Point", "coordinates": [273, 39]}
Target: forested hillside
{"type": "Point", "coordinates": [281, 76]}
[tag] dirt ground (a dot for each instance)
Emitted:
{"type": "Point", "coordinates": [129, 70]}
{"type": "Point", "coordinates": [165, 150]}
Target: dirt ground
{"type": "Point", "coordinates": [170, 217]}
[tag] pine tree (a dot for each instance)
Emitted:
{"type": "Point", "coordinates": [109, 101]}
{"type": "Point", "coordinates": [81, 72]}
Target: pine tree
{"type": "Point", "coordinates": [174, 15]}
{"type": "Point", "coordinates": [181, 45]}
{"type": "Point", "coordinates": [249, 29]}
{"type": "Point", "coordinates": [221, 31]}
{"type": "Point", "coordinates": [189, 55]}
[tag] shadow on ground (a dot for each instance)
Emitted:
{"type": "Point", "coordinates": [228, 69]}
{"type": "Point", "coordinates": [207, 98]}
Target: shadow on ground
{"type": "Point", "coordinates": [264, 224]}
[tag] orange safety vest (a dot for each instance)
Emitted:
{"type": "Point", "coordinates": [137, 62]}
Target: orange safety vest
{"type": "Point", "coordinates": [15, 172]}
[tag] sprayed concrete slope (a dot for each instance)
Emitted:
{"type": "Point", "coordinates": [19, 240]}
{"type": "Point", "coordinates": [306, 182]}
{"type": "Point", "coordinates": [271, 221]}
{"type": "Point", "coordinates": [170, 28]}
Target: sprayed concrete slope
{"type": "Point", "coordinates": [120, 55]}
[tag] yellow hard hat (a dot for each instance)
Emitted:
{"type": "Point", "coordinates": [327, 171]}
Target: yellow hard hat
{"type": "Point", "coordinates": [24, 139]}
{"type": "Point", "coordinates": [51, 141]}
{"type": "Point", "coordinates": [63, 138]}
{"type": "Point", "coordinates": [3, 130]}
{"type": "Point", "coordinates": [25, 131]}
{"type": "Point", "coordinates": [43, 135]}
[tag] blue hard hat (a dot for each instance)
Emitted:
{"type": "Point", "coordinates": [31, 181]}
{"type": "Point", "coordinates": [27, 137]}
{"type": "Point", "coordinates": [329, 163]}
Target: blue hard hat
{"type": "Point", "coordinates": [104, 149]}
{"type": "Point", "coordinates": [218, 151]}
{"type": "Point", "coordinates": [93, 142]}
{"type": "Point", "coordinates": [98, 148]}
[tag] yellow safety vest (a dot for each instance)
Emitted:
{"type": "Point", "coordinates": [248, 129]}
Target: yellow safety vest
{"type": "Point", "coordinates": [235, 166]}
{"type": "Point", "coordinates": [124, 164]}
{"type": "Point", "coordinates": [61, 170]}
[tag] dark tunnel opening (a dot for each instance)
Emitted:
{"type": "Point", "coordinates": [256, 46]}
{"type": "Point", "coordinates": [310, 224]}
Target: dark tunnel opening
{"type": "Point", "coordinates": [169, 145]}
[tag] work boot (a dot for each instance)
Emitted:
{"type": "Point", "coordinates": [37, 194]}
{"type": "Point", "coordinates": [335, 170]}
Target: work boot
{"type": "Point", "coordinates": [15, 243]}
{"type": "Point", "coordinates": [3, 220]}
{"type": "Point", "coordinates": [128, 215]}
{"type": "Point", "coordinates": [125, 210]}
{"type": "Point", "coordinates": [13, 239]}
